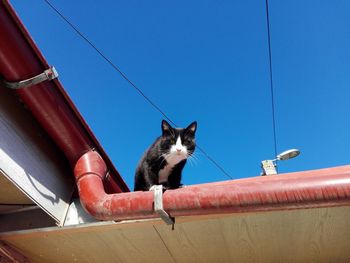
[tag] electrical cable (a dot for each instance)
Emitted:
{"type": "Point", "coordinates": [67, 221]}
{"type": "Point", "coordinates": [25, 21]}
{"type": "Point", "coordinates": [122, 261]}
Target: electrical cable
{"type": "Point", "coordinates": [271, 76]}
{"type": "Point", "coordinates": [76, 30]}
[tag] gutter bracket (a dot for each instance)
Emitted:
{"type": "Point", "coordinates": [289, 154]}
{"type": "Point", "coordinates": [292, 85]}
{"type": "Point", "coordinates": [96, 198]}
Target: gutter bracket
{"type": "Point", "coordinates": [48, 74]}
{"type": "Point", "coordinates": [158, 205]}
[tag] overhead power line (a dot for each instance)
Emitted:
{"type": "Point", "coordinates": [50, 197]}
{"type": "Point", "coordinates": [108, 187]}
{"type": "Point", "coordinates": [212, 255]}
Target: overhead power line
{"type": "Point", "coordinates": [76, 30]}
{"type": "Point", "coordinates": [271, 76]}
{"type": "Point", "coordinates": [154, 105]}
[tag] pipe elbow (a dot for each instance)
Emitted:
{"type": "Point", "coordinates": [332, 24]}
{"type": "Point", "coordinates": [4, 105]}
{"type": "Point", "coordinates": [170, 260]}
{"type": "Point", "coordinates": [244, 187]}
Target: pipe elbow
{"type": "Point", "coordinates": [89, 172]}
{"type": "Point", "coordinates": [90, 163]}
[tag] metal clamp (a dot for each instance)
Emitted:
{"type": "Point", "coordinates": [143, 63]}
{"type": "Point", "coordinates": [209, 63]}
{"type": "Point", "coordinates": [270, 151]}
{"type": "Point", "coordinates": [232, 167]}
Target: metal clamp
{"type": "Point", "coordinates": [268, 167]}
{"type": "Point", "coordinates": [158, 205]}
{"type": "Point", "coordinates": [48, 74]}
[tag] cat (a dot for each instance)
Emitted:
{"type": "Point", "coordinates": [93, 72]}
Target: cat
{"type": "Point", "coordinates": [163, 162]}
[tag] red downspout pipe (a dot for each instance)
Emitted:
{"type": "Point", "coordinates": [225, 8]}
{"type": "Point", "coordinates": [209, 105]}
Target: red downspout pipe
{"type": "Point", "coordinates": [318, 188]}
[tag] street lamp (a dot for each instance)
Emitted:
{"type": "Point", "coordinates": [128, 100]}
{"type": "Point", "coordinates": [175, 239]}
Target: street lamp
{"type": "Point", "coordinates": [269, 166]}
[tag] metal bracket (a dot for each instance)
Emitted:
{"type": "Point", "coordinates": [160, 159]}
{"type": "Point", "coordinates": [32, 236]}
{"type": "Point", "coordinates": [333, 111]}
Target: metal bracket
{"type": "Point", "coordinates": [158, 205]}
{"type": "Point", "coordinates": [48, 74]}
{"type": "Point", "coordinates": [268, 167]}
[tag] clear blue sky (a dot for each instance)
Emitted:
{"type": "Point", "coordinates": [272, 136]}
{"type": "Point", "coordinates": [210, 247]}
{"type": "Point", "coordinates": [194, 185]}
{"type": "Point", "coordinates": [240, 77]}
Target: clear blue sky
{"type": "Point", "coordinates": [206, 61]}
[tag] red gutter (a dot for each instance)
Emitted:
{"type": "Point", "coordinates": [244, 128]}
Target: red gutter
{"type": "Point", "coordinates": [20, 59]}
{"type": "Point", "coordinates": [317, 188]}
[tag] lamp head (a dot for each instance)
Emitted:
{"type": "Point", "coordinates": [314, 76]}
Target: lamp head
{"type": "Point", "coordinates": [289, 154]}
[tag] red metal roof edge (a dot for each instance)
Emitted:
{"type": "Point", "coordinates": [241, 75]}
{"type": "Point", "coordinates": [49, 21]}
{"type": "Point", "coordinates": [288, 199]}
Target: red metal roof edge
{"type": "Point", "coordinates": [113, 171]}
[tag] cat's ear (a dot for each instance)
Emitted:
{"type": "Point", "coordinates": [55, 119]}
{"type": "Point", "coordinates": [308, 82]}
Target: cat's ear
{"type": "Point", "coordinates": [192, 128]}
{"type": "Point", "coordinates": [166, 128]}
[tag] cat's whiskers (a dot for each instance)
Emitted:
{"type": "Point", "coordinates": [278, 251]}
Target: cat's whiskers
{"type": "Point", "coordinates": [192, 158]}
{"type": "Point", "coordinates": [194, 155]}
{"type": "Point", "coordinates": [198, 153]}
{"type": "Point", "coordinates": [165, 157]}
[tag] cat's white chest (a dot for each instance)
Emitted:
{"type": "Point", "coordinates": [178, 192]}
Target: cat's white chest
{"type": "Point", "coordinates": [172, 160]}
{"type": "Point", "coordinates": [178, 152]}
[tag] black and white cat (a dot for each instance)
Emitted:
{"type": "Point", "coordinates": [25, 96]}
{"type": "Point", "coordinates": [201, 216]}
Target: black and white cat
{"type": "Point", "coordinates": [163, 162]}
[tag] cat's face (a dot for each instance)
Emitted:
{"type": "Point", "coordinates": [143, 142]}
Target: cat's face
{"type": "Point", "coordinates": [178, 143]}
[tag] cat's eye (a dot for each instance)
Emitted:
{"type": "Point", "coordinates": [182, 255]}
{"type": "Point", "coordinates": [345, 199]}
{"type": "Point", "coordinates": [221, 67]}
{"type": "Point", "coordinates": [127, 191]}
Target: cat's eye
{"type": "Point", "coordinates": [188, 140]}
{"type": "Point", "coordinates": [172, 141]}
